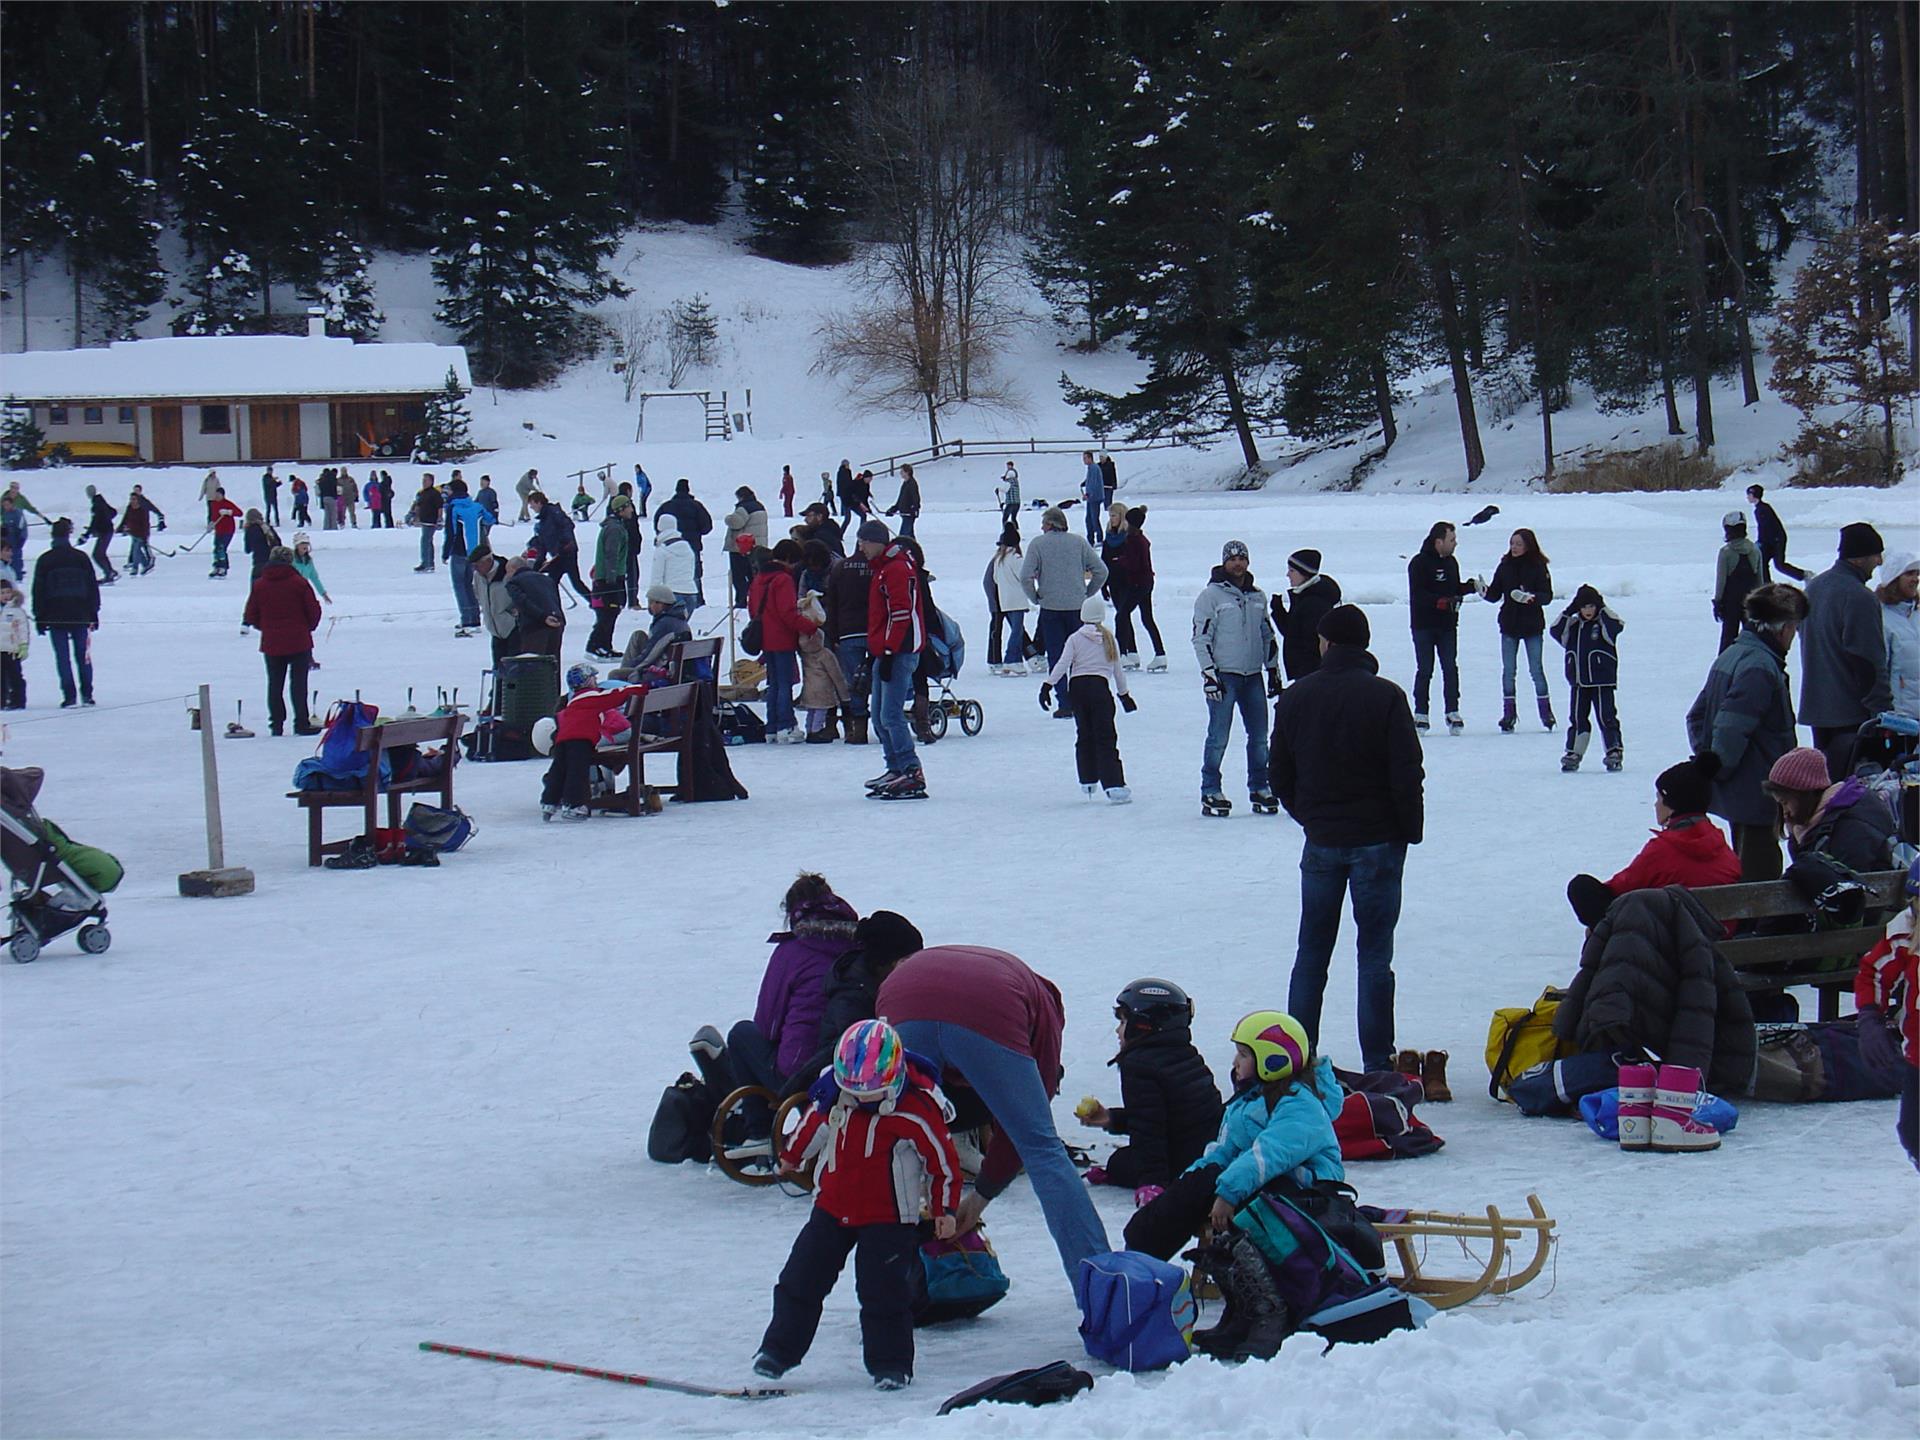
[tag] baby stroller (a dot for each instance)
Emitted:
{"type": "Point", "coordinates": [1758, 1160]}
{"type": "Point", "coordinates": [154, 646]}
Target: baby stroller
{"type": "Point", "coordinates": [946, 653]}
{"type": "Point", "coordinates": [57, 884]}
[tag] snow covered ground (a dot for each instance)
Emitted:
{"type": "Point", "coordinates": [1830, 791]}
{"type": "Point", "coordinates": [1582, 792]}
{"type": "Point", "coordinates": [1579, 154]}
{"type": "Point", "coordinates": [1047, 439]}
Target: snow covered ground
{"type": "Point", "coordinates": [263, 1147]}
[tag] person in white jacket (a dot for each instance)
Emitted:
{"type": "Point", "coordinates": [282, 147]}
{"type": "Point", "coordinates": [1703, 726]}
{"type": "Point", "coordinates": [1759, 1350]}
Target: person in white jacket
{"type": "Point", "coordinates": [1089, 668]}
{"type": "Point", "coordinates": [1899, 583]}
{"type": "Point", "coordinates": [1011, 597]}
{"type": "Point", "coordinates": [673, 564]}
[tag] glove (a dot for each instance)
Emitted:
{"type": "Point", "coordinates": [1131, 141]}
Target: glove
{"type": "Point", "coordinates": [1210, 685]}
{"type": "Point", "coordinates": [1096, 1175]}
{"type": "Point", "coordinates": [1273, 683]}
{"type": "Point", "coordinates": [1479, 586]}
{"type": "Point", "coordinates": [163, 524]}
{"type": "Point", "coordinates": [1843, 903]}
{"type": "Point", "coordinates": [886, 667]}
{"type": "Point", "coordinates": [1129, 704]}
{"type": "Point", "coordinates": [1716, 612]}
{"type": "Point", "coordinates": [1879, 1048]}
{"type": "Point", "coordinates": [1520, 597]}
{"type": "Point", "coordinates": [1046, 695]}
{"type": "Point", "coordinates": [1146, 1195]}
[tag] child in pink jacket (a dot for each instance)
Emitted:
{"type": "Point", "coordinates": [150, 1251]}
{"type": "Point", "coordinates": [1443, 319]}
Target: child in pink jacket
{"type": "Point", "coordinates": [1089, 668]}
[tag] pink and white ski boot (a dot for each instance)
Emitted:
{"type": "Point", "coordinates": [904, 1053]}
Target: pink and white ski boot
{"type": "Point", "coordinates": [1636, 1106]}
{"type": "Point", "coordinates": [1676, 1093]}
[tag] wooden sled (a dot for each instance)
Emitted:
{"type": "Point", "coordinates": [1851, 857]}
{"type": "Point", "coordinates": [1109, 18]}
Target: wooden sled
{"type": "Point", "coordinates": [753, 1162]}
{"type": "Point", "coordinates": [1500, 1234]}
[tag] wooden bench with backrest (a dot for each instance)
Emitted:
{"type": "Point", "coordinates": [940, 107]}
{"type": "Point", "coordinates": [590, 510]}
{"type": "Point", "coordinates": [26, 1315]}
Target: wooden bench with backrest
{"type": "Point", "coordinates": [659, 721]}
{"type": "Point", "coordinates": [1823, 959]}
{"type": "Point", "coordinates": [683, 655]}
{"type": "Point", "coordinates": [371, 741]}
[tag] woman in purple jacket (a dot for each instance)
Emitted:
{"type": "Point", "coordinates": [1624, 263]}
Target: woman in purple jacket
{"type": "Point", "coordinates": [784, 1031]}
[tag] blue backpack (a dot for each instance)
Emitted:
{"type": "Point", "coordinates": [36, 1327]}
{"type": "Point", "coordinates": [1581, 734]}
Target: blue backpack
{"type": "Point", "coordinates": [946, 646]}
{"type": "Point", "coordinates": [1136, 1312]}
{"type": "Point", "coordinates": [960, 1278]}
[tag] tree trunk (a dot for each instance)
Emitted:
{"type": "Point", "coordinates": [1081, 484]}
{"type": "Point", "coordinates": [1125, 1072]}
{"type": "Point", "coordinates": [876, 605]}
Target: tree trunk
{"type": "Point", "coordinates": [1383, 400]}
{"type": "Point", "coordinates": [1693, 242]}
{"type": "Point", "coordinates": [1454, 334]}
{"type": "Point", "coordinates": [146, 109]}
{"type": "Point", "coordinates": [1237, 408]}
{"type": "Point", "coordinates": [933, 418]}
{"type": "Point", "coordinates": [1476, 327]}
{"type": "Point", "coordinates": [266, 290]}
{"type": "Point", "coordinates": [1736, 242]}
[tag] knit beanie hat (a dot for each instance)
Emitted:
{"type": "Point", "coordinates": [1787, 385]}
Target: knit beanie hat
{"type": "Point", "coordinates": [887, 936]}
{"type": "Point", "coordinates": [300, 537]}
{"type": "Point", "coordinates": [1093, 610]}
{"type": "Point", "coordinates": [1688, 787]}
{"type": "Point", "coordinates": [1802, 768]}
{"type": "Point", "coordinates": [1054, 519]}
{"type": "Point", "coordinates": [1307, 562]}
{"type": "Point", "coordinates": [1233, 550]}
{"type": "Point", "coordinates": [873, 532]}
{"type": "Point", "coordinates": [1734, 520]}
{"type": "Point", "coordinates": [1345, 625]}
{"type": "Point", "coordinates": [1859, 540]}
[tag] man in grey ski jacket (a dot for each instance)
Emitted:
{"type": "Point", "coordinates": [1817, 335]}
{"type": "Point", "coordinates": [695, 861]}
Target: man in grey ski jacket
{"type": "Point", "coordinates": [1843, 650]}
{"type": "Point", "coordinates": [1060, 571]}
{"type": "Point", "coordinates": [1234, 641]}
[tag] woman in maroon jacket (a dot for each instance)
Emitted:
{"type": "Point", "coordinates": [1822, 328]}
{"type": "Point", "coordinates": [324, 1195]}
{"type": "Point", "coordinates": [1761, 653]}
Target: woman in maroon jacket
{"type": "Point", "coordinates": [774, 601]}
{"type": "Point", "coordinates": [1130, 582]}
{"type": "Point", "coordinates": [993, 1027]}
{"type": "Point", "coordinates": [282, 607]}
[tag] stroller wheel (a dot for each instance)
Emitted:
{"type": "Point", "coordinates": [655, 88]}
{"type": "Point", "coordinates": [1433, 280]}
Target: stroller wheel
{"type": "Point", "coordinates": [972, 717]}
{"type": "Point", "coordinates": [24, 947]}
{"type": "Point", "coordinates": [937, 721]}
{"type": "Point", "coordinates": [94, 939]}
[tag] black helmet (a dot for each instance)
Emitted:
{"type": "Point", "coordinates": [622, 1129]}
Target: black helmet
{"type": "Point", "coordinates": [1150, 1005]}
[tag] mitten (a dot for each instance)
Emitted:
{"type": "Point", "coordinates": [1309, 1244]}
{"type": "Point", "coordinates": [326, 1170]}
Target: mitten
{"type": "Point", "coordinates": [1129, 704]}
{"type": "Point", "coordinates": [1146, 1195]}
{"type": "Point", "coordinates": [1046, 695]}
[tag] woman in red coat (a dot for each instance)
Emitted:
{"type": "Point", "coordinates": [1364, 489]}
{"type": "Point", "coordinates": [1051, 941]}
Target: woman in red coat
{"type": "Point", "coordinates": [282, 607]}
{"type": "Point", "coordinates": [774, 601]}
{"type": "Point", "coordinates": [1688, 848]}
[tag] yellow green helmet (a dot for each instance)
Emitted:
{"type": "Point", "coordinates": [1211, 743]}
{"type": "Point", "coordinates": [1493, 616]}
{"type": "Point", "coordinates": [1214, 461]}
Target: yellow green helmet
{"type": "Point", "coordinates": [1278, 1041]}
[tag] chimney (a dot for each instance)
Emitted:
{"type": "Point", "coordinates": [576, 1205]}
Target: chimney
{"type": "Point", "coordinates": [316, 323]}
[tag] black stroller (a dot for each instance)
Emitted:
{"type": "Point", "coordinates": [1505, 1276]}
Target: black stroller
{"type": "Point", "coordinates": [57, 884]}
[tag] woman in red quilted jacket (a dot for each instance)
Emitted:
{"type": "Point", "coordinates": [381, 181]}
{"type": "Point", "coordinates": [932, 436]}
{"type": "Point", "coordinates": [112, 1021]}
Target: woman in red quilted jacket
{"type": "Point", "coordinates": [1688, 848]}
{"type": "Point", "coordinates": [282, 607]}
{"type": "Point", "coordinates": [774, 601]}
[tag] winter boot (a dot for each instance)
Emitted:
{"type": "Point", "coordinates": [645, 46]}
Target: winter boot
{"type": "Point", "coordinates": [1676, 1093]}
{"type": "Point", "coordinates": [827, 733]}
{"type": "Point", "coordinates": [1433, 1077]}
{"type": "Point", "coordinates": [1157, 665]}
{"type": "Point", "coordinates": [1508, 716]}
{"type": "Point", "coordinates": [1407, 1062]}
{"type": "Point", "coordinates": [1546, 713]}
{"type": "Point", "coordinates": [1213, 1265]}
{"type": "Point", "coordinates": [1616, 759]}
{"type": "Point", "coordinates": [709, 1050]}
{"type": "Point", "coordinates": [1576, 752]}
{"type": "Point", "coordinates": [1256, 1319]}
{"type": "Point", "coordinates": [856, 730]}
{"type": "Point", "coordinates": [1636, 1106]}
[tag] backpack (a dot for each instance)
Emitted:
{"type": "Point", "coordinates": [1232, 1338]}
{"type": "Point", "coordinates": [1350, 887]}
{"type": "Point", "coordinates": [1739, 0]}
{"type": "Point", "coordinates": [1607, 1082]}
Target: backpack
{"type": "Point", "coordinates": [959, 1278]}
{"type": "Point", "coordinates": [1041, 1385]}
{"type": "Point", "coordinates": [1555, 1087]}
{"type": "Point", "coordinates": [947, 647]}
{"type": "Point", "coordinates": [1519, 1039]}
{"type": "Point", "coordinates": [1324, 1252]}
{"type": "Point", "coordinates": [1381, 1127]}
{"type": "Point", "coordinates": [429, 827]}
{"type": "Point", "coordinates": [683, 1122]}
{"type": "Point", "coordinates": [1136, 1312]}
{"type": "Point", "coordinates": [337, 752]}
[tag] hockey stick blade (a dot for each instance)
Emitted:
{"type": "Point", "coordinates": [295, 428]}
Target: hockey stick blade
{"type": "Point", "coordinates": [651, 1382]}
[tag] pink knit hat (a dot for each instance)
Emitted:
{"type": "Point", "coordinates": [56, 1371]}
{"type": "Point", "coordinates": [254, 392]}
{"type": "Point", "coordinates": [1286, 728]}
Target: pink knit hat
{"type": "Point", "coordinates": [1801, 769]}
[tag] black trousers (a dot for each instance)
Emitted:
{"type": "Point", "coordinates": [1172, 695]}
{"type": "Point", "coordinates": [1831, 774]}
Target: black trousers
{"type": "Point", "coordinates": [1776, 557]}
{"type": "Point", "coordinates": [1729, 631]}
{"type": "Point", "coordinates": [740, 574]}
{"type": "Point", "coordinates": [566, 782]}
{"type": "Point", "coordinates": [284, 671]}
{"type": "Point", "coordinates": [610, 595]}
{"type": "Point", "coordinates": [1588, 703]}
{"type": "Point", "coordinates": [882, 1257]}
{"type": "Point", "coordinates": [1838, 744]}
{"type": "Point", "coordinates": [1096, 745]}
{"type": "Point", "coordinates": [1126, 600]}
{"type": "Point", "coordinates": [102, 559]}
{"type": "Point", "coordinates": [1758, 847]}
{"type": "Point", "coordinates": [13, 682]}
{"type": "Point", "coordinates": [567, 563]}
{"type": "Point", "coordinates": [1164, 1227]}
{"type": "Point", "coordinates": [633, 559]}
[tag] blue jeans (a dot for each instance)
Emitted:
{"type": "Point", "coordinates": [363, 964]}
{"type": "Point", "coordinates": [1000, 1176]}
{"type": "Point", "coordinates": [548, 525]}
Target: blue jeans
{"type": "Point", "coordinates": [890, 698]}
{"type": "Point", "coordinates": [1055, 627]}
{"type": "Point", "coordinates": [689, 601]}
{"type": "Point", "coordinates": [461, 569]}
{"type": "Point", "coordinates": [73, 651]}
{"type": "Point", "coordinates": [783, 669]}
{"type": "Point", "coordinates": [1426, 645]}
{"type": "Point", "coordinates": [139, 554]}
{"type": "Point", "coordinates": [851, 650]}
{"type": "Point", "coordinates": [1014, 649]}
{"type": "Point", "coordinates": [1248, 694]}
{"type": "Point", "coordinates": [427, 533]}
{"type": "Point", "coordinates": [1327, 873]}
{"type": "Point", "coordinates": [1509, 663]}
{"type": "Point", "coordinates": [1009, 1083]}
{"type": "Point", "coordinates": [906, 524]}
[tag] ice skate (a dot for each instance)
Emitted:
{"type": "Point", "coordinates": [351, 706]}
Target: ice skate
{"type": "Point", "coordinates": [908, 785]}
{"type": "Point", "coordinates": [1265, 802]}
{"type": "Point", "coordinates": [1615, 759]}
{"type": "Point", "coordinates": [1157, 665]}
{"type": "Point", "coordinates": [1216, 805]}
{"type": "Point", "coordinates": [1119, 795]}
{"type": "Point", "coordinates": [1509, 717]}
{"type": "Point", "coordinates": [1547, 722]}
{"type": "Point", "coordinates": [1089, 789]}
{"type": "Point", "coordinates": [1129, 662]}
{"type": "Point", "coordinates": [1421, 723]}
{"type": "Point", "coordinates": [1455, 725]}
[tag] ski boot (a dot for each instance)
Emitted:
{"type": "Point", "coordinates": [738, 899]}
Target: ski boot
{"type": "Point", "coordinates": [1455, 725]}
{"type": "Point", "coordinates": [1509, 717]}
{"type": "Point", "coordinates": [1264, 802]}
{"type": "Point", "coordinates": [1216, 805]}
{"type": "Point", "coordinates": [1615, 759]}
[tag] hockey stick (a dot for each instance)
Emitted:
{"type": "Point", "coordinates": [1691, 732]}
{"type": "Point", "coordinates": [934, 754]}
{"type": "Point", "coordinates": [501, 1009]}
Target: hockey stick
{"type": "Point", "coordinates": [679, 1387]}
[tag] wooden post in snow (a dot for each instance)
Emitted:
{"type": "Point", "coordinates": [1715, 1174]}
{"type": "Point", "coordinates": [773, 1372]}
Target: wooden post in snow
{"type": "Point", "coordinates": [218, 879]}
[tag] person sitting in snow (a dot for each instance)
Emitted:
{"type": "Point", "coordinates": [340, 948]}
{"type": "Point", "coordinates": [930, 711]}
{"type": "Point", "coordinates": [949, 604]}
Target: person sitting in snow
{"type": "Point", "coordinates": [878, 1124]}
{"type": "Point", "coordinates": [1170, 1106]}
{"type": "Point", "coordinates": [589, 716]}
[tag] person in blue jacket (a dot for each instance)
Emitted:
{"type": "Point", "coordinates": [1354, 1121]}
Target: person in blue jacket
{"type": "Point", "coordinates": [1278, 1125]}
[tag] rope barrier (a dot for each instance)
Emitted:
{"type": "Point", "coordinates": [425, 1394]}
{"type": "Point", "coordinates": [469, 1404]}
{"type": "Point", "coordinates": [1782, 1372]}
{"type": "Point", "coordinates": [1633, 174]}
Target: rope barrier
{"type": "Point", "coordinates": [67, 714]}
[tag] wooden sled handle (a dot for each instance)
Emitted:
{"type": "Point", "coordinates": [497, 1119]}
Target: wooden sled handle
{"type": "Point", "coordinates": [734, 1161]}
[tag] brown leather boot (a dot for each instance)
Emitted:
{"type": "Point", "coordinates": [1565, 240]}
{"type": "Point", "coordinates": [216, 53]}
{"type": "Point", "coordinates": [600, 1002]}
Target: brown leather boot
{"type": "Point", "coordinates": [1407, 1062]}
{"type": "Point", "coordinates": [1433, 1077]}
{"type": "Point", "coordinates": [856, 730]}
{"type": "Point", "coordinates": [827, 733]}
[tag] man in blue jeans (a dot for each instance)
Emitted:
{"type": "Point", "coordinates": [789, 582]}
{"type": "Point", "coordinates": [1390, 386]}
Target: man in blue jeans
{"type": "Point", "coordinates": [894, 637]}
{"type": "Point", "coordinates": [1234, 640]}
{"type": "Point", "coordinates": [1347, 765]}
{"type": "Point", "coordinates": [1434, 593]}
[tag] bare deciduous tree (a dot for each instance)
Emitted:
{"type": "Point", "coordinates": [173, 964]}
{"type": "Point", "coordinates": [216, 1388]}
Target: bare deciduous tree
{"type": "Point", "coordinates": [637, 332]}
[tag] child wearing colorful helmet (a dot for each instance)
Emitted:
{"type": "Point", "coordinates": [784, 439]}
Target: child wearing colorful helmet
{"type": "Point", "coordinates": [590, 716]}
{"type": "Point", "coordinates": [1170, 1105]}
{"type": "Point", "coordinates": [878, 1125]}
{"type": "Point", "coordinates": [1884, 993]}
{"type": "Point", "coordinates": [1278, 1126]}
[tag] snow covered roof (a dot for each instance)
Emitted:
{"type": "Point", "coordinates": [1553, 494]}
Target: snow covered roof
{"type": "Point", "coordinates": [231, 367]}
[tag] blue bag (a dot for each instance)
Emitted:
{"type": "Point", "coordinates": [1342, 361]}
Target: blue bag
{"type": "Point", "coordinates": [961, 1278]}
{"type": "Point", "coordinates": [1601, 1111]}
{"type": "Point", "coordinates": [948, 646]}
{"type": "Point", "coordinates": [1554, 1087]}
{"type": "Point", "coordinates": [345, 721]}
{"type": "Point", "coordinates": [1136, 1312]}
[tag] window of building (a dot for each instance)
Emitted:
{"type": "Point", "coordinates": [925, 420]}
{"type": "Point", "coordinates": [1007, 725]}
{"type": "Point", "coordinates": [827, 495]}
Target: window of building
{"type": "Point", "coordinates": [216, 420]}
{"type": "Point", "coordinates": [126, 414]}
{"type": "Point", "coordinates": [93, 415]}
{"type": "Point", "coordinates": [56, 415]}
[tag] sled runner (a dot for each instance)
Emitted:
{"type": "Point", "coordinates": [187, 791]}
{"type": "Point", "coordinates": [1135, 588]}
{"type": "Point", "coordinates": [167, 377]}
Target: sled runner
{"type": "Point", "coordinates": [752, 1161]}
{"type": "Point", "coordinates": [1407, 1230]}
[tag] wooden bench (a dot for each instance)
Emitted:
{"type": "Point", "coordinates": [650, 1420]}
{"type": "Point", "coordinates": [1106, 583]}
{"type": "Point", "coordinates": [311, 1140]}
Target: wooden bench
{"type": "Point", "coordinates": [1823, 959]}
{"type": "Point", "coordinates": [371, 742]}
{"type": "Point", "coordinates": [670, 709]}
{"type": "Point", "coordinates": [683, 655]}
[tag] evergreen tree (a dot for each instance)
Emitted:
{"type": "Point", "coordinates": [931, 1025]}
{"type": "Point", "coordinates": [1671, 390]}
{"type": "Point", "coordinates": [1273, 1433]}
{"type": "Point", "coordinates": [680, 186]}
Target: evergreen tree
{"type": "Point", "coordinates": [111, 244]}
{"type": "Point", "coordinates": [1070, 258]}
{"type": "Point", "coordinates": [20, 438]}
{"type": "Point", "coordinates": [447, 431]}
{"type": "Point", "coordinates": [797, 191]}
{"type": "Point", "coordinates": [345, 291]}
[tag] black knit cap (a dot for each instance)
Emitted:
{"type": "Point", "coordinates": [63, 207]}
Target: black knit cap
{"type": "Point", "coordinates": [1345, 625]}
{"type": "Point", "coordinates": [1307, 562]}
{"type": "Point", "coordinates": [887, 936]}
{"type": "Point", "coordinates": [1687, 788]}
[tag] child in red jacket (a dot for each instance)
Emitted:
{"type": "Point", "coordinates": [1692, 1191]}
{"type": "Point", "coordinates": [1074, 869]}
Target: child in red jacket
{"type": "Point", "coordinates": [879, 1125]}
{"type": "Point", "coordinates": [223, 518]}
{"type": "Point", "coordinates": [1884, 993]}
{"type": "Point", "coordinates": [589, 716]}
{"type": "Point", "coordinates": [1688, 848]}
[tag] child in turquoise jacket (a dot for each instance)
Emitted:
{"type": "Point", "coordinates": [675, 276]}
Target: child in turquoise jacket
{"type": "Point", "coordinates": [1279, 1123]}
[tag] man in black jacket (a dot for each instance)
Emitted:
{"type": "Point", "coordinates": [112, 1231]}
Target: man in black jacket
{"type": "Point", "coordinates": [694, 520]}
{"type": "Point", "coordinates": [536, 603]}
{"type": "Point", "coordinates": [848, 582]}
{"type": "Point", "coordinates": [1346, 763]}
{"type": "Point", "coordinates": [66, 607]}
{"type": "Point", "coordinates": [1434, 593]}
{"type": "Point", "coordinates": [1771, 536]}
{"type": "Point", "coordinates": [1297, 612]}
